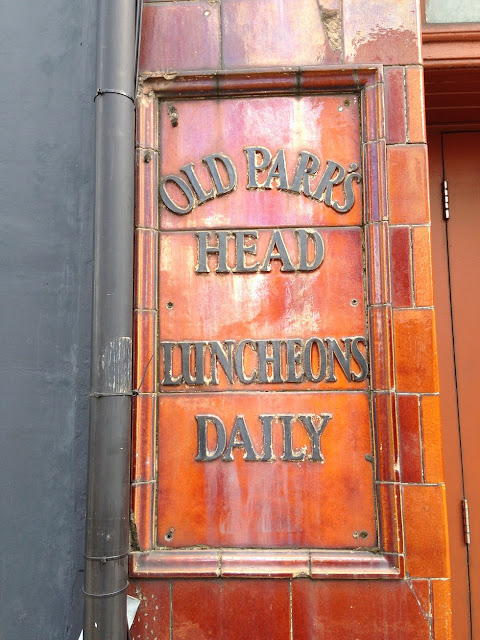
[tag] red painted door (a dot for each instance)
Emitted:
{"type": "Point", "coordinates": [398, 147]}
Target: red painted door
{"type": "Point", "coordinates": [455, 157]}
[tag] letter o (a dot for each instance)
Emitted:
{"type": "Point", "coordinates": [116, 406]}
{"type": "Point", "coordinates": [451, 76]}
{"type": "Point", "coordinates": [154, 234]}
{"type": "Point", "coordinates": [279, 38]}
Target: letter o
{"type": "Point", "coordinates": [307, 363]}
{"type": "Point", "coordinates": [167, 200]}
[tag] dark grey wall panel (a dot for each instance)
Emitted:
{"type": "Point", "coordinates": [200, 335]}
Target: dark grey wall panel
{"type": "Point", "coordinates": [47, 64]}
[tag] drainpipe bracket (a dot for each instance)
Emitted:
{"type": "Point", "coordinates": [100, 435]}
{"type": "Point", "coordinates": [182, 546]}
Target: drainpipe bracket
{"type": "Point", "coordinates": [100, 92]}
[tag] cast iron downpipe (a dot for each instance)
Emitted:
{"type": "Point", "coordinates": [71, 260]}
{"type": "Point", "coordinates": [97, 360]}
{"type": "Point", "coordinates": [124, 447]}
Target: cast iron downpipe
{"type": "Point", "coordinates": [107, 540]}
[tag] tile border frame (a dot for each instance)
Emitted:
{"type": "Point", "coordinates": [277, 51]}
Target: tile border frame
{"type": "Point", "coordinates": [366, 80]}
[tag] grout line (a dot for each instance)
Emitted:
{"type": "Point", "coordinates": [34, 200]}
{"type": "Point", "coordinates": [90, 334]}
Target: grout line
{"type": "Point", "coordinates": [140, 483]}
{"type": "Point", "coordinates": [220, 35]}
{"type": "Point", "coordinates": [279, 227]}
{"type": "Point", "coordinates": [425, 308]}
{"type": "Point", "coordinates": [411, 484]}
{"type": "Point", "coordinates": [426, 225]}
{"type": "Point", "coordinates": [405, 110]}
{"type": "Point", "coordinates": [291, 608]}
{"type": "Point", "coordinates": [170, 621]}
{"type": "Point", "coordinates": [420, 435]}
{"type": "Point", "coordinates": [412, 267]}
{"type": "Point", "coordinates": [207, 392]}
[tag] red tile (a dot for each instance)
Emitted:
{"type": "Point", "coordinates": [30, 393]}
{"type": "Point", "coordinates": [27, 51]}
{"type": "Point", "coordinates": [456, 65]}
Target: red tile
{"type": "Point", "coordinates": [408, 184]}
{"type": "Point", "coordinates": [143, 438]}
{"type": "Point", "coordinates": [377, 257]}
{"type": "Point", "coordinates": [432, 438]}
{"type": "Point", "coordinates": [395, 104]}
{"type": "Point", "coordinates": [146, 202]}
{"type": "Point", "coordinates": [410, 442]}
{"type": "Point", "coordinates": [146, 122]}
{"type": "Point", "coordinates": [422, 591]}
{"type": "Point", "coordinates": [180, 36]}
{"type": "Point", "coordinates": [374, 123]}
{"type": "Point", "coordinates": [336, 565]}
{"type": "Point", "coordinates": [146, 256]}
{"type": "Point", "coordinates": [144, 363]}
{"type": "Point", "coordinates": [415, 105]}
{"type": "Point", "coordinates": [386, 446]}
{"type": "Point", "coordinates": [153, 615]}
{"type": "Point", "coordinates": [380, 31]}
{"type": "Point", "coordinates": [442, 610]}
{"type": "Point", "coordinates": [271, 504]}
{"type": "Point", "coordinates": [357, 610]}
{"type": "Point", "coordinates": [231, 609]}
{"type": "Point", "coordinates": [401, 260]}
{"type": "Point", "coordinates": [241, 81]}
{"type": "Point", "coordinates": [374, 172]}
{"type": "Point", "coordinates": [333, 77]}
{"type": "Point", "coordinates": [298, 33]}
{"type": "Point", "coordinates": [422, 266]}
{"type": "Point", "coordinates": [390, 525]}
{"type": "Point", "coordinates": [426, 531]}
{"type": "Point", "coordinates": [415, 351]}
{"type": "Point", "coordinates": [381, 348]}
{"type": "Point", "coordinates": [142, 501]}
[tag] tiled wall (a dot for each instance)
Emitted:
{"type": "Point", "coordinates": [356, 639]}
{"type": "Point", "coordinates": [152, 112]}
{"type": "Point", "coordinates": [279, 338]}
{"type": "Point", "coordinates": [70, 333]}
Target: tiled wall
{"type": "Point", "coordinates": [214, 35]}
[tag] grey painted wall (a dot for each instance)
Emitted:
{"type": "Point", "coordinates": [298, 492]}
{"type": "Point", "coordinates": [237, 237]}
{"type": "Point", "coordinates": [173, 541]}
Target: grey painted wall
{"type": "Point", "coordinates": [47, 65]}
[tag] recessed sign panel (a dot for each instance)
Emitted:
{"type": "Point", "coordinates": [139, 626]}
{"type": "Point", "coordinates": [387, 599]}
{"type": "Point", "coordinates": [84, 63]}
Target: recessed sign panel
{"type": "Point", "coordinates": [264, 433]}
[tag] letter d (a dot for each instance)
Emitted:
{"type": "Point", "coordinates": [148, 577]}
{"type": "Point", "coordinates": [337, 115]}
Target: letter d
{"type": "Point", "coordinates": [211, 162]}
{"type": "Point", "coordinates": [204, 453]}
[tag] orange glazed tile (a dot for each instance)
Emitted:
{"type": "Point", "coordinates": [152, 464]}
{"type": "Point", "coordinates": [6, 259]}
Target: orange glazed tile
{"type": "Point", "coordinates": [422, 266]}
{"type": "Point", "coordinates": [415, 351]}
{"type": "Point", "coordinates": [401, 261]}
{"type": "Point", "coordinates": [324, 126]}
{"type": "Point", "coordinates": [390, 525]}
{"type": "Point", "coordinates": [231, 609]}
{"type": "Point", "coordinates": [442, 610]}
{"type": "Point", "coordinates": [377, 257]}
{"type": "Point", "coordinates": [153, 615]}
{"type": "Point", "coordinates": [410, 444]}
{"type": "Point", "coordinates": [144, 363]}
{"type": "Point", "coordinates": [408, 184]}
{"type": "Point", "coordinates": [298, 34]}
{"type": "Point", "coordinates": [425, 531]}
{"type": "Point", "coordinates": [381, 348]}
{"type": "Point", "coordinates": [143, 438]}
{"type": "Point", "coordinates": [356, 610]}
{"type": "Point", "coordinates": [272, 503]}
{"type": "Point", "coordinates": [395, 104]}
{"type": "Point", "coordinates": [142, 501]}
{"type": "Point", "coordinates": [432, 438]}
{"type": "Point", "coordinates": [145, 269]}
{"type": "Point", "coordinates": [183, 36]}
{"type": "Point", "coordinates": [386, 438]}
{"type": "Point", "coordinates": [146, 202]}
{"type": "Point", "coordinates": [415, 105]}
